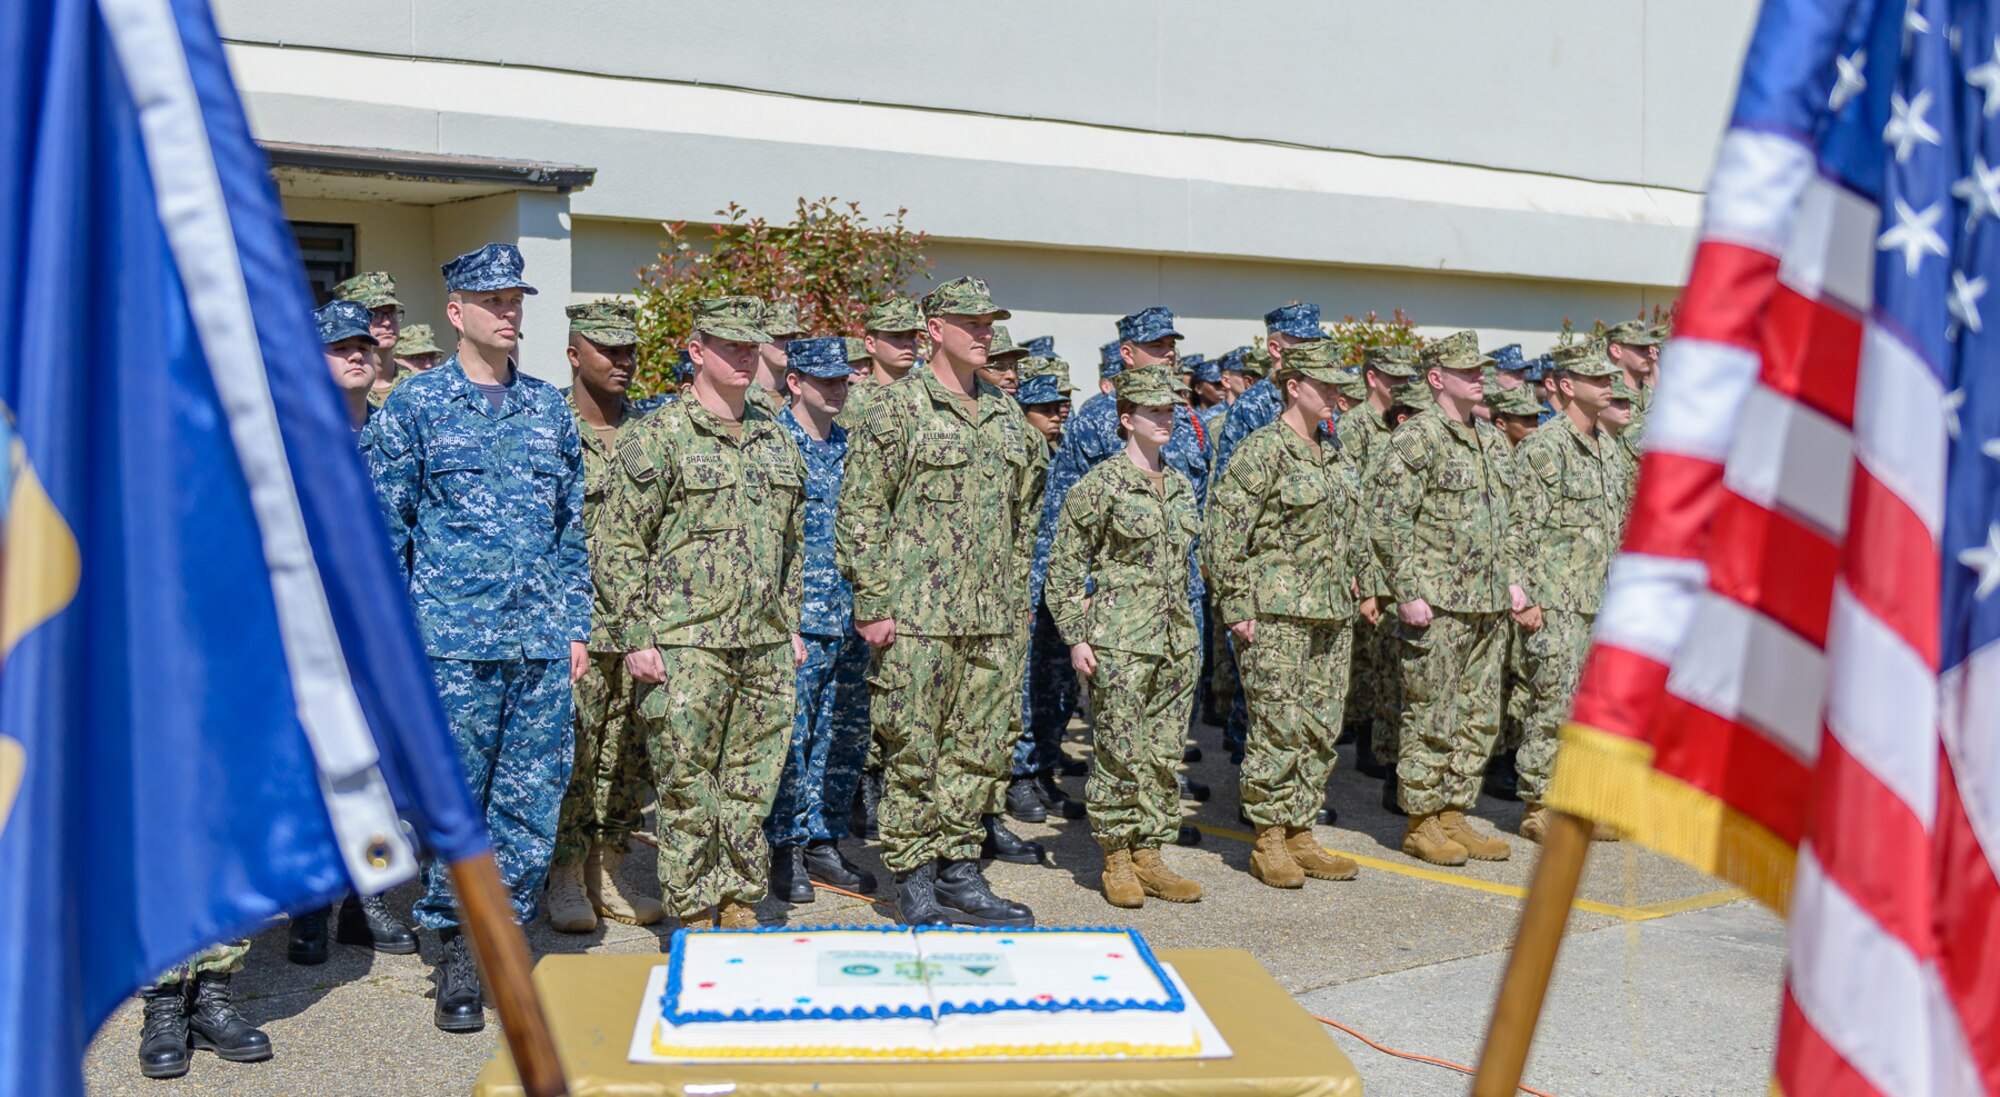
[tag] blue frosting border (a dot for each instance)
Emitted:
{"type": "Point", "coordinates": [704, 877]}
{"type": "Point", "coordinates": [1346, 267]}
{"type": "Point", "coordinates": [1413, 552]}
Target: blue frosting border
{"type": "Point", "coordinates": [675, 958]}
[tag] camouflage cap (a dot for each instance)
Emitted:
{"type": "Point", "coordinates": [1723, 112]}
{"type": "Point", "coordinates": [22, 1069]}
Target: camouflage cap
{"type": "Point", "coordinates": [1633, 333]}
{"type": "Point", "coordinates": [1538, 367]}
{"type": "Point", "coordinates": [824, 357]}
{"type": "Point", "coordinates": [1003, 345]}
{"type": "Point", "coordinates": [1351, 384]}
{"type": "Point", "coordinates": [338, 320]}
{"type": "Point", "coordinates": [1297, 321]}
{"type": "Point", "coordinates": [1042, 346]}
{"type": "Point", "coordinates": [1459, 350]}
{"type": "Point", "coordinates": [1508, 358]}
{"type": "Point", "coordinates": [1257, 362]}
{"type": "Point", "coordinates": [1147, 325]}
{"type": "Point", "coordinates": [857, 350]}
{"type": "Point", "coordinates": [1585, 358]}
{"type": "Point", "coordinates": [1109, 361]}
{"type": "Point", "coordinates": [416, 341]}
{"type": "Point", "coordinates": [965, 296]}
{"type": "Point", "coordinates": [683, 368]}
{"type": "Point", "coordinates": [1048, 366]}
{"type": "Point", "coordinates": [1039, 390]}
{"type": "Point", "coordinates": [1232, 361]}
{"type": "Point", "coordinates": [493, 267]}
{"type": "Point", "coordinates": [734, 318]}
{"type": "Point", "coordinates": [895, 314]}
{"type": "Point", "coordinates": [373, 288]}
{"type": "Point", "coordinates": [1203, 369]}
{"type": "Point", "coordinates": [1514, 401]}
{"type": "Point", "coordinates": [1392, 360]}
{"type": "Point", "coordinates": [605, 322]}
{"type": "Point", "coordinates": [1149, 386]}
{"type": "Point", "coordinates": [1621, 390]}
{"type": "Point", "coordinates": [1320, 359]}
{"type": "Point", "coordinates": [780, 319]}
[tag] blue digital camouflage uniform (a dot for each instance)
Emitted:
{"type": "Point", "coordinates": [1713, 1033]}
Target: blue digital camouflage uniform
{"type": "Point", "coordinates": [830, 733]}
{"type": "Point", "coordinates": [485, 515]}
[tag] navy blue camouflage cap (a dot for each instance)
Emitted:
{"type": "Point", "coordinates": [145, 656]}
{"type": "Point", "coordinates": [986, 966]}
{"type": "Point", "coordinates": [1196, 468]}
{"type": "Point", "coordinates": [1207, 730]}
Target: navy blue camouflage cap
{"type": "Point", "coordinates": [1203, 369]}
{"type": "Point", "coordinates": [683, 368]}
{"type": "Point", "coordinates": [339, 320]}
{"type": "Point", "coordinates": [1508, 358]}
{"type": "Point", "coordinates": [1297, 321]}
{"type": "Point", "coordinates": [493, 267]}
{"type": "Point", "coordinates": [1539, 367]}
{"type": "Point", "coordinates": [1233, 361]}
{"type": "Point", "coordinates": [1041, 346]}
{"type": "Point", "coordinates": [1147, 325]}
{"type": "Point", "coordinates": [1043, 381]}
{"type": "Point", "coordinates": [1109, 361]}
{"type": "Point", "coordinates": [824, 356]}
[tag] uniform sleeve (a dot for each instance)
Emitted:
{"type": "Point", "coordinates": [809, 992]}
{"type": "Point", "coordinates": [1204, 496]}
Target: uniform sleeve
{"type": "Point", "coordinates": [1072, 560]}
{"type": "Point", "coordinates": [1233, 507]}
{"type": "Point", "coordinates": [795, 550]}
{"type": "Point", "coordinates": [876, 468]}
{"type": "Point", "coordinates": [1401, 486]}
{"type": "Point", "coordinates": [1536, 474]}
{"type": "Point", "coordinates": [572, 553]}
{"type": "Point", "coordinates": [396, 466]}
{"type": "Point", "coordinates": [1065, 469]}
{"type": "Point", "coordinates": [627, 528]}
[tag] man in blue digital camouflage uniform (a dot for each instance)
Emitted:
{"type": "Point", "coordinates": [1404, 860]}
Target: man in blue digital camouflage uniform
{"type": "Point", "coordinates": [830, 730]}
{"type": "Point", "coordinates": [480, 474]}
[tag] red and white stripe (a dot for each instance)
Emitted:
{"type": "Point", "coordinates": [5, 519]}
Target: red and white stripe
{"type": "Point", "coordinates": [1771, 629]}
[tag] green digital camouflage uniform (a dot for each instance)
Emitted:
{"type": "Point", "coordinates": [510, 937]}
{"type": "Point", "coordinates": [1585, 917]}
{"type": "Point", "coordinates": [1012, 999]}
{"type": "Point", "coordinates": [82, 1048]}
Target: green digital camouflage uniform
{"type": "Point", "coordinates": [935, 530]}
{"type": "Point", "coordinates": [1374, 692]}
{"type": "Point", "coordinates": [1634, 333]}
{"type": "Point", "coordinates": [698, 554]}
{"type": "Point", "coordinates": [608, 783]}
{"type": "Point", "coordinates": [1283, 547]}
{"type": "Point", "coordinates": [1131, 535]}
{"type": "Point", "coordinates": [222, 959]}
{"type": "Point", "coordinates": [1439, 535]}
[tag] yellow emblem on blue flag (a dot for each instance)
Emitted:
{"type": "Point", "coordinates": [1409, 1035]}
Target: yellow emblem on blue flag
{"type": "Point", "coordinates": [38, 575]}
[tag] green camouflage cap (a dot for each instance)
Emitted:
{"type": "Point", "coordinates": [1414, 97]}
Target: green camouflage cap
{"type": "Point", "coordinates": [1149, 386]}
{"type": "Point", "coordinates": [895, 314]}
{"type": "Point", "coordinates": [857, 351]}
{"type": "Point", "coordinates": [735, 318]}
{"type": "Point", "coordinates": [965, 296]}
{"type": "Point", "coordinates": [1459, 350]}
{"type": "Point", "coordinates": [1660, 332]}
{"type": "Point", "coordinates": [1620, 390]}
{"type": "Point", "coordinates": [1633, 333]}
{"type": "Point", "coordinates": [1394, 360]}
{"type": "Point", "coordinates": [1320, 359]}
{"type": "Point", "coordinates": [1004, 345]}
{"type": "Point", "coordinates": [1256, 362]}
{"type": "Point", "coordinates": [605, 322]}
{"type": "Point", "coordinates": [1585, 359]}
{"type": "Point", "coordinates": [416, 340]}
{"type": "Point", "coordinates": [1037, 366]}
{"type": "Point", "coordinates": [1514, 401]}
{"type": "Point", "coordinates": [1351, 384]}
{"type": "Point", "coordinates": [372, 289]}
{"type": "Point", "coordinates": [781, 319]}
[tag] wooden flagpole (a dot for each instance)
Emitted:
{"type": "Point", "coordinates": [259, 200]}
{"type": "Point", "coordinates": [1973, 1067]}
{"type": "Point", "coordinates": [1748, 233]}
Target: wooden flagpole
{"type": "Point", "coordinates": [502, 953]}
{"type": "Point", "coordinates": [1533, 960]}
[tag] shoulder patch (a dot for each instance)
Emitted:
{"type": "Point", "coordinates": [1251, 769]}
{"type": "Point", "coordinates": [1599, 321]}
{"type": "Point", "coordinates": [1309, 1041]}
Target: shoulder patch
{"type": "Point", "coordinates": [1541, 461]}
{"type": "Point", "coordinates": [1410, 445]}
{"type": "Point", "coordinates": [632, 457]}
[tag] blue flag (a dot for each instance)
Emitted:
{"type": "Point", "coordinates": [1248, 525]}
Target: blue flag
{"type": "Point", "coordinates": [214, 705]}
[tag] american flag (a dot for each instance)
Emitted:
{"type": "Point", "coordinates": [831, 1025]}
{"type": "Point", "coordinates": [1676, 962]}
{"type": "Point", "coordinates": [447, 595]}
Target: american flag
{"type": "Point", "coordinates": [1795, 683]}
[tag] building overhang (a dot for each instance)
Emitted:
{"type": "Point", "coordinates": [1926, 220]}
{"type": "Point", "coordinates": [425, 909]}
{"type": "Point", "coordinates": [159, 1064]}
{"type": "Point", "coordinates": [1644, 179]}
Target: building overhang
{"type": "Point", "coordinates": [412, 178]}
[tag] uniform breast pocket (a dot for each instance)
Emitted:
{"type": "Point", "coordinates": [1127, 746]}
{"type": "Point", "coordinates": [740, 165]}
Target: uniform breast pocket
{"type": "Point", "coordinates": [708, 486]}
{"type": "Point", "coordinates": [1301, 492]}
{"type": "Point", "coordinates": [1582, 502]}
{"type": "Point", "coordinates": [942, 464]}
{"type": "Point", "coordinates": [456, 473]}
{"type": "Point", "coordinates": [1134, 528]}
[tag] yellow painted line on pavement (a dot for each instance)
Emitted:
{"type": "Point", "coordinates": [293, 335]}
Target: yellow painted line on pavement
{"type": "Point", "coordinates": [1645, 913]}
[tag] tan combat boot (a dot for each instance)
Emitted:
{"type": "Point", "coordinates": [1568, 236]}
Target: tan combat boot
{"type": "Point", "coordinates": [737, 915]}
{"type": "Point", "coordinates": [569, 907]}
{"type": "Point", "coordinates": [1535, 823]}
{"type": "Point", "coordinates": [704, 920]}
{"type": "Point", "coordinates": [1315, 861]}
{"type": "Point", "coordinates": [1121, 888]}
{"type": "Point", "coordinates": [1477, 846]}
{"type": "Point", "coordinates": [1271, 863]}
{"type": "Point", "coordinates": [1161, 882]}
{"type": "Point", "coordinates": [1424, 838]}
{"type": "Point", "coordinates": [613, 897]}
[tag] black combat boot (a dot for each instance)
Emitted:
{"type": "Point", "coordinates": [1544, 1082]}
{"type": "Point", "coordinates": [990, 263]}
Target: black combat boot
{"type": "Point", "coordinates": [215, 1025]}
{"type": "Point", "coordinates": [1002, 844]}
{"type": "Point", "coordinates": [163, 1039]}
{"type": "Point", "coordinates": [916, 898]}
{"type": "Point", "coordinates": [1192, 789]}
{"type": "Point", "coordinates": [862, 820]}
{"type": "Point", "coordinates": [1054, 798]}
{"type": "Point", "coordinates": [825, 863]}
{"type": "Point", "coordinates": [1328, 815]}
{"type": "Point", "coordinates": [1188, 836]}
{"type": "Point", "coordinates": [1389, 803]}
{"type": "Point", "coordinates": [1190, 754]}
{"type": "Point", "coordinates": [1073, 767]}
{"type": "Point", "coordinates": [1024, 802]}
{"type": "Point", "coordinates": [1501, 781]}
{"type": "Point", "coordinates": [788, 875]}
{"type": "Point", "coordinates": [306, 943]}
{"type": "Point", "coordinates": [1364, 754]}
{"type": "Point", "coordinates": [459, 998]}
{"type": "Point", "coordinates": [967, 901]}
{"type": "Point", "coordinates": [365, 920]}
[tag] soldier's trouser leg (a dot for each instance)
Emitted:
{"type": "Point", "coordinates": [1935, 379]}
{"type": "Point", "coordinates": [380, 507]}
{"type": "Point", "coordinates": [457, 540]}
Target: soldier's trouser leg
{"type": "Point", "coordinates": [1451, 683]}
{"type": "Point", "coordinates": [1514, 689]}
{"type": "Point", "coordinates": [607, 784]}
{"type": "Point", "coordinates": [717, 732]}
{"type": "Point", "coordinates": [829, 739]}
{"type": "Point", "coordinates": [1048, 698]}
{"type": "Point", "coordinates": [1141, 704]}
{"type": "Point", "coordinates": [1017, 725]}
{"type": "Point", "coordinates": [939, 705]}
{"type": "Point", "coordinates": [512, 721]}
{"type": "Point", "coordinates": [1385, 711]}
{"type": "Point", "coordinates": [1296, 675]}
{"type": "Point", "coordinates": [223, 959]}
{"type": "Point", "coordinates": [1237, 730]}
{"type": "Point", "coordinates": [1555, 655]}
